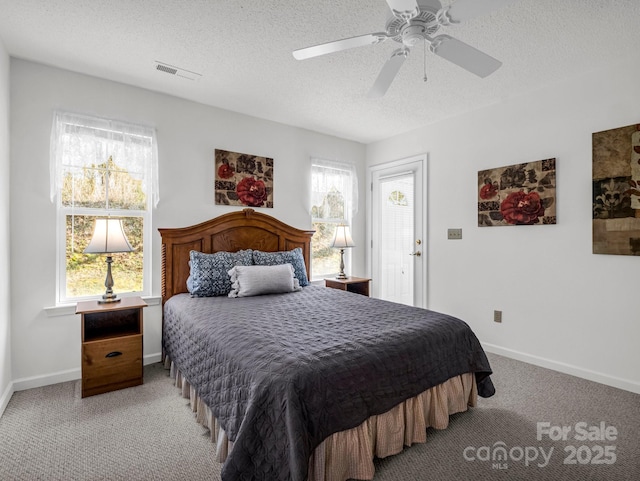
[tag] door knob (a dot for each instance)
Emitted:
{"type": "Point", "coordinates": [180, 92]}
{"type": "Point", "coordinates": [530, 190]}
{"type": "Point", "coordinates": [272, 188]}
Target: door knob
{"type": "Point", "coordinates": [416, 253]}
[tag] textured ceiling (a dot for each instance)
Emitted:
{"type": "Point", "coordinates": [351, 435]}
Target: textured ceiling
{"type": "Point", "coordinates": [242, 49]}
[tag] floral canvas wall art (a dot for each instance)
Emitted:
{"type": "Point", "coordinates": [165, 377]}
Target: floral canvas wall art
{"type": "Point", "coordinates": [521, 194]}
{"type": "Point", "coordinates": [616, 191]}
{"type": "Point", "coordinates": [243, 179]}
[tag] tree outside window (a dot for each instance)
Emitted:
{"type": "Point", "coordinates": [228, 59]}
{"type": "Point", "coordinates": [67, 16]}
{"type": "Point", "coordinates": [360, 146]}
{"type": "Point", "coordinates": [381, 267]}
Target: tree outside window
{"type": "Point", "coordinates": [102, 168]}
{"type": "Point", "coordinates": [332, 200]}
{"type": "Point", "coordinates": [106, 187]}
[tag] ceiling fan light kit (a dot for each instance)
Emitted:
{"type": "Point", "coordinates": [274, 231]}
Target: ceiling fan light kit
{"type": "Point", "coordinates": [412, 22]}
{"type": "Point", "coordinates": [404, 9]}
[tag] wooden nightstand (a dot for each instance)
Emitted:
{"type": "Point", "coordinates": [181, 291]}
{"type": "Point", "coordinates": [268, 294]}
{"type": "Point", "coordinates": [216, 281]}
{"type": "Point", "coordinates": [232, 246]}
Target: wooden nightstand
{"type": "Point", "coordinates": [359, 285]}
{"type": "Point", "coordinates": [111, 345]}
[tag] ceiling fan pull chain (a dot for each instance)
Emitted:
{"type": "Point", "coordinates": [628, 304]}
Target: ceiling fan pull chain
{"type": "Point", "coordinates": [424, 79]}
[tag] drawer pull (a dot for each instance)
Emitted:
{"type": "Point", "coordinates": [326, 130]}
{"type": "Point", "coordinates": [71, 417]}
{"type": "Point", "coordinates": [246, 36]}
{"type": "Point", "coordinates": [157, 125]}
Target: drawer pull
{"type": "Point", "coordinates": [114, 354]}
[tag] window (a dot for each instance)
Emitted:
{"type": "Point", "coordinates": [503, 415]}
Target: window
{"type": "Point", "coordinates": [334, 191]}
{"type": "Point", "coordinates": [102, 168]}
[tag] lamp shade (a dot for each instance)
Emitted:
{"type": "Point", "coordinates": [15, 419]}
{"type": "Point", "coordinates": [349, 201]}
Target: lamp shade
{"type": "Point", "coordinates": [343, 237]}
{"type": "Point", "coordinates": [108, 237]}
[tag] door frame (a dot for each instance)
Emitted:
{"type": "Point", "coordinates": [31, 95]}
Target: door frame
{"type": "Point", "coordinates": [423, 158]}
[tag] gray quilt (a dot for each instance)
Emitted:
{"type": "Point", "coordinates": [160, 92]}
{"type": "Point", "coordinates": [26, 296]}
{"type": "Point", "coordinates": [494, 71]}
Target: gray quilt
{"type": "Point", "coordinates": [283, 372]}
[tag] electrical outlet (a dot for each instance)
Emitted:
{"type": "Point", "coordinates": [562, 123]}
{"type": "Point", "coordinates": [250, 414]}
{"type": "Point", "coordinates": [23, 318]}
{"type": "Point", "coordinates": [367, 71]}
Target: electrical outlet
{"type": "Point", "coordinates": [497, 316]}
{"type": "Point", "coordinates": [454, 234]}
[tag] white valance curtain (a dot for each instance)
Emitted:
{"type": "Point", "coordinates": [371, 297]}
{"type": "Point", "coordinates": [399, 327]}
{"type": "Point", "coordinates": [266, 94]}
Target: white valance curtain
{"type": "Point", "coordinates": [79, 141]}
{"type": "Point", "coordinates": [340, 175]}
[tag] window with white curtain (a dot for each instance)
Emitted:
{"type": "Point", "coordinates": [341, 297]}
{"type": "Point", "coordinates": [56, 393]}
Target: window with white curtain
{"type": "Point", "coordinates": [334, 200]}
{"type": "Point", "coordinates": [102, 168]}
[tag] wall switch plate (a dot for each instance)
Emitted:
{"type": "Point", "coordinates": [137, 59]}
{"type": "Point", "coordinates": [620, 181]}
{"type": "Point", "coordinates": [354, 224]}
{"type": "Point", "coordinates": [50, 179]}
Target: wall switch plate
{"type": "Point", "coordinates": [454, 234]}
{"type": "Point", "coordinates": [497, 316]}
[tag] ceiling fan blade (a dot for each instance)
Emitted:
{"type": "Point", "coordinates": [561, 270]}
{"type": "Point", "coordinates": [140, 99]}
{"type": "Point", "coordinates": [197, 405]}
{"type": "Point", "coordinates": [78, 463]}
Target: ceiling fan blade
{"type": "Point", "coordinates": [464, 55]}
{"type": "Point", "coordinates": [339, 45]}
{"type": "Point", "coordinates": [404, 9]}
{"type": "Point", "coordinates": [388, 73]}
{"type": "Point", "coordinates": [463, 10]}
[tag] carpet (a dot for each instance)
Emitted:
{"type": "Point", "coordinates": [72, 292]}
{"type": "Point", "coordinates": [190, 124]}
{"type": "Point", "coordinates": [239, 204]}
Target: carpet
{"type": "Point", "coordinates": [540, 425]}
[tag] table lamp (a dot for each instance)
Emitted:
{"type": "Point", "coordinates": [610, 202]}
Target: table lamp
{"type": "Point", "coordinates": [108, 238]}
{"type": "Point", "coordinates": [341, 241]}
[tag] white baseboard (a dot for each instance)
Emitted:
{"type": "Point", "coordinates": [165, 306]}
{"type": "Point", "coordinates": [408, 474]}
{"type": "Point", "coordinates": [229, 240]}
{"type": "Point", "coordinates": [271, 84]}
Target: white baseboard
{"type": "Point", "coordinates": [595, 376]}
{"type": "Point", "coordinates": [6, 397]}
{"type": "Point", "coordinates": [152, 358]}
{"type": "Point", "coordinates": [46, 379]}
{"type": "Point", "coordinates": [64, 376]}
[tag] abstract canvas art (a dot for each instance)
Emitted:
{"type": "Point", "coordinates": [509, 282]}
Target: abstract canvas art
{"type": "Point", "coordinates": [243, 179]}
{"type": "Point", "coordinates": [616, 191]}
{"type": "Point", "coordinates": [521, 194]}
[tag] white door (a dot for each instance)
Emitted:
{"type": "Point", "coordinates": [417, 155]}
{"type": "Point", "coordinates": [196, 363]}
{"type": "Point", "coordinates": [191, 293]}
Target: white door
{"type": "Point", "coordinates": [398, 261]}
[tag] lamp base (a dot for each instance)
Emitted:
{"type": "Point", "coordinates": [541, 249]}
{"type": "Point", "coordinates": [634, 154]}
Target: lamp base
{"type": "Point", "coordinates": [108, 298]}
{"type": "Point", "coordinates": [341, 275]}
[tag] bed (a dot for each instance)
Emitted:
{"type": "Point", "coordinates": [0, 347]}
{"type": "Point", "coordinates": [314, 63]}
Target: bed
{"type": "Point", "coordinates": [312, 382]}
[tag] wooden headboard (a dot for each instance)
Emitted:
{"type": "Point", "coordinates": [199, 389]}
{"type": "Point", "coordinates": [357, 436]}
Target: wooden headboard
{"type": "Point", "coordinates": [246, 229]}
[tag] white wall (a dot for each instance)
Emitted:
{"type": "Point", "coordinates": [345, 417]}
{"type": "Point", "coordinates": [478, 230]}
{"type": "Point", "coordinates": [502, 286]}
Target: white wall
{"type": "Point", "coordinates": [47, 348]}
{"type": "Point", "coordinates": [563, 307]}
{"type": "Point", "coordinates": [6, 384]}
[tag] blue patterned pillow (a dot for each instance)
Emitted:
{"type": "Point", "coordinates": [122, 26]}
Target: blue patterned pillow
{"type": "Point", "coordinates": [293, 257]}
{"type": "Point", "coordinates": [209, 272]}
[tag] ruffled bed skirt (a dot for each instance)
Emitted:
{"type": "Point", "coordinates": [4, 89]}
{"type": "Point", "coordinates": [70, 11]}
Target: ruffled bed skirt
{"type": "Point", "coordinates": [349, 454]}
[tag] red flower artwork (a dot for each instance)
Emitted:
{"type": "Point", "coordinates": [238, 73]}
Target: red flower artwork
{"type": "Point", "coordinates": [225, 171]}
{"type": "Point", "coordinates": [251, 192]}
{"type": "Point", "coordinates": [522, 209]}
{"type": "Point", "coordinates": [488, 190]}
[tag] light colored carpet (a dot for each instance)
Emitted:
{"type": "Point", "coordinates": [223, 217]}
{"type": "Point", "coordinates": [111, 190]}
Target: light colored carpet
{"type": "Point", "coordinates": [148, 432]}
{"type": "Point", "coordinates": [142, 433]}
{"type": "Point", "coordinates": [525, 396]}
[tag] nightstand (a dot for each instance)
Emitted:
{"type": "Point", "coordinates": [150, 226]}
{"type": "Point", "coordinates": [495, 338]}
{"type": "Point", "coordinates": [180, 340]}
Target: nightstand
{"type": "Point", "coordinates": [111, 345]}
{"type": "Point", "coordinates": [359, 285]}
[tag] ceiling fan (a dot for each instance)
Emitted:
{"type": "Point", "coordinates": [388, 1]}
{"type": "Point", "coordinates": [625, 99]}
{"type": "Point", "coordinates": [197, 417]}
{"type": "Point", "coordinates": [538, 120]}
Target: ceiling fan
{"type": "Point", "coordinates": [414, 21]}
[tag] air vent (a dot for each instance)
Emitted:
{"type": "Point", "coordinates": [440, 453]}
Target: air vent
{"type": "Point", "coordinates": [164, 68]}
{"type": "Point", "coordinates": [177, 71]}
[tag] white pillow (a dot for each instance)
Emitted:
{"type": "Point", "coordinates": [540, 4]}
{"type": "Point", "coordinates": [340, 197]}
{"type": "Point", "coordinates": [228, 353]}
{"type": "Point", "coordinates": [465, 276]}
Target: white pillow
{"type": "Point", "coordinates": [257, 280]}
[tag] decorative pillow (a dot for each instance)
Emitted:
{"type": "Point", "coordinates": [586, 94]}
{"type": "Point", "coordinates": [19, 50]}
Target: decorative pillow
{"type": "Point", "coordinates": [293, 257]}
{"type": "Point", "coordinates": [209, 272]}
{"type": "Point", "coordinates": [257, 280]}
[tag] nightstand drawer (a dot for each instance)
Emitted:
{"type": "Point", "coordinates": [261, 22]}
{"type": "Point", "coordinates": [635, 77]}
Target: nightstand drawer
{"type": "Point", "coordinates": [111, 364]}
